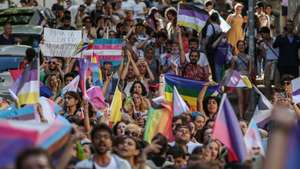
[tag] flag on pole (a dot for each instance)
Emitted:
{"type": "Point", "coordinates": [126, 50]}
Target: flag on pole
{"type": "Point", "coordinates": [296, 90]}
{"type": "Point", "coordinates": [25, 90]}
{"type": "Point", "coordinates": [106, 50]}
{"type": "Point", "coordinates": [262, 113]}
{"type": "Point", "coordinates": [83, 64]}
{"type": "Point", "coordinates": [115, 107]}
{"type": "Point", "coordinates": [227, 130]}
{"type": "Point", "coordinates": [72, 86]}
{"type": "Point", "coordinates": [179, 105]}
{"type": "Point", "coordinates": [234, 79]}
{"type": "Point", "coordinates": [253, 139]}
{"type": "Point", "coordinates": [158, 121]}
{"type": "Point", "coordinates": [191, 16]}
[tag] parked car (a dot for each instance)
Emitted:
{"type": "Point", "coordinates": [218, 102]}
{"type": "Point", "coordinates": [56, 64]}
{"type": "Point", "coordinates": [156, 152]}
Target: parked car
{"type": "Point", "coordinates": [11, 56]}
{"type": "Point", "coordinates": [27, 23]}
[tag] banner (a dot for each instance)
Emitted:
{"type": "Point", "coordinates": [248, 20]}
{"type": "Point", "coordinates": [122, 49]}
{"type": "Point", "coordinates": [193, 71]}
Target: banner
{"type": "Point", "coordinates": [60, 43]}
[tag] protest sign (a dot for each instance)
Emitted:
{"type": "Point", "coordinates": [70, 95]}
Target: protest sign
{"type": "Point", "coordinates": [60, 43]}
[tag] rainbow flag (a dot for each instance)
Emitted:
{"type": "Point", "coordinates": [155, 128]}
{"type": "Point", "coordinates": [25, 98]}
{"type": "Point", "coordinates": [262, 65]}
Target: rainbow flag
{"type": "Point", "coordinates": [25, 90]}
{"type": "Point", "coordinates": [15, 136]}
{"type": "Point", "coordinates": [158, 121]}
{"type": "Point", "coordinates": [106, 50]}
{"type": "Point", "coordinates": [188, 89]}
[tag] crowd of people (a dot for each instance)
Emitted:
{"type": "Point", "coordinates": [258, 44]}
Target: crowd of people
{"type": "Point", "coordinates": [155, 45]}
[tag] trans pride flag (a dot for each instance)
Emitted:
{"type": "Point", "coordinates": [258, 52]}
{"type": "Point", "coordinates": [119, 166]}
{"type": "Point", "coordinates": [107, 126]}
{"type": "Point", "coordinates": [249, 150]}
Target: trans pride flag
{"type": "Point", "coordinates": [15, 136]}
{"type": "Point", "coordinates": [105, 50]}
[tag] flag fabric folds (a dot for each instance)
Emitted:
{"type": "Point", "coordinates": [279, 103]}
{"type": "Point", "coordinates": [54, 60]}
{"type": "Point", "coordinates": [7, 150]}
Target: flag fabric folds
{"type": "Point", "coordinates": [158, 121]}
{"type": "Point", "coordinates": [97, 77]}
{"type": "Point", "coordinates": [24, 113]}
{"type": "Point", "coordinates": [96, 97]}
{"type": "Point", "coordinates": [25, 90]}
{"type": "Point", "coordinates": [234, 79]}
{"type": "Point", "coordinates": [179, 106]}
{"type": "Point", "coordinates": [253, 139]}
{"type": "Point", "coordinates": [296, 90]}
{"type": "Point", "coordinates": [49, 109]}
{"type": "Point", "coordinates": [262, 113]}
{"type": "Point", "coordinates": [191, 16]}
{"type": "Point", "coordinates": [72, 86]}
{"type": "Point", "coordinates": [227, 130]}
{"type": "Point", "coordinates": [115, 107]}
{"type": "Point", "coordinates": [15, 136]}
{"type": "Point", "coordinates": [83, 64]}
{"type": "Point", "coordinates": [188, 89]}
{"type": "Point", "coordinates": [106, 50]}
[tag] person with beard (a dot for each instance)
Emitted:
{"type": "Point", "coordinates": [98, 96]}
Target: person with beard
{"type": "Point", "coordinates": [67, 23]}
{"type": "Point", "coordinates": [101, 136]}
{"type": "Point", "coordinates": [183, 139]}
{"type": "Point", "coordinates": [190, 68]}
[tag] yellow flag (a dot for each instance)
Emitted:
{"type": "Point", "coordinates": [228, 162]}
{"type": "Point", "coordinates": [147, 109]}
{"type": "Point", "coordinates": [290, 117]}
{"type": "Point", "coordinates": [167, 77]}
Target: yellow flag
{"type": "Point", "coordinates": [115, 107]}
{"type": "Point", "coordinates": [246, 81]}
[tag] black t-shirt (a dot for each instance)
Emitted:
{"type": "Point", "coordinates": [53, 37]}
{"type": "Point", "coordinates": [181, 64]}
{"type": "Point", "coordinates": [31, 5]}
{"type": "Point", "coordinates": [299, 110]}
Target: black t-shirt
{"type": "Point", "coordinates": [9, 41]}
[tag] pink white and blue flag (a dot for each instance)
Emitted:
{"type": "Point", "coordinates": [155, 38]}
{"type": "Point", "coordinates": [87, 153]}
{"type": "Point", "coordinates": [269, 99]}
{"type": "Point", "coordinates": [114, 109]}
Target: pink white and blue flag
{"type": "Point", "coordinates": [106, 50]}
{"type": "Point", "coordinates": [227, 130]}
{"type": "Point", "coordinates": [15, 136]}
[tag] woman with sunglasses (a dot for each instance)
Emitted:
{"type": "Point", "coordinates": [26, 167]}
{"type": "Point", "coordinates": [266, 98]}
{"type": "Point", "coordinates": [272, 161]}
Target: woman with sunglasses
{"type": "Point", "coordinates": [54, 82]}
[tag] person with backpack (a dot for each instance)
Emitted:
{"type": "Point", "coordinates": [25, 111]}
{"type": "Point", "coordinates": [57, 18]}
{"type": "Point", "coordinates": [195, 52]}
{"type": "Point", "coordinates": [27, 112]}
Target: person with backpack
{"type": "Point", "coordinates": [210, 34]}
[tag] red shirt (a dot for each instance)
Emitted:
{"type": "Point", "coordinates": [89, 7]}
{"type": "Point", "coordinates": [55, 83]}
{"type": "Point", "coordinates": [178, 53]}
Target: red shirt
{"type": "Point", "coordinates": [195, 72]}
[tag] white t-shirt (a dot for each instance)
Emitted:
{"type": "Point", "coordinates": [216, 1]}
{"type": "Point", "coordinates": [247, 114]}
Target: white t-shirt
{"type": "Point", "coordinates": [202, 61]}
{"type": "Point", "coordinates": [138, 10]}
{"type": "Point", "coordinates": [111, 165]}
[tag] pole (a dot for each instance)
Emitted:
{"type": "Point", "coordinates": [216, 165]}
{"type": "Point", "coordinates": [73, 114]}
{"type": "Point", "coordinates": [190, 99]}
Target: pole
{"type": "Point", "coordinates": [251, 26]}
{"type": "Point", "coordinates": [251, 45]}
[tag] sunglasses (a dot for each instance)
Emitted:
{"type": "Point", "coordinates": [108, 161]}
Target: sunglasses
{"type": "Point", "coordinates": [52, 63]}
{"type": "Point", "coordinates": [287, 82]}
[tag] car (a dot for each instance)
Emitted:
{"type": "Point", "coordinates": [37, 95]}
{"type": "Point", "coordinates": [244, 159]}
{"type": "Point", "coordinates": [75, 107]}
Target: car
{"type": "Point", "coordinates": [27, 23]}
{"type": "Point", "coordinates": [27, 16]}
{"type": "Point", "coordinates": [11, 56]}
